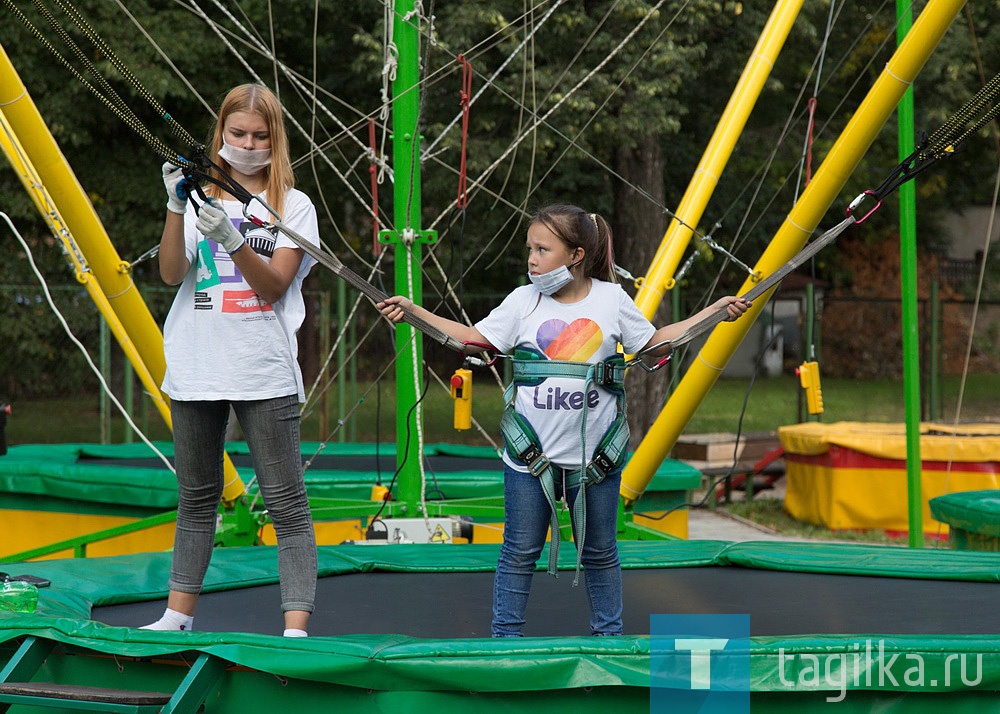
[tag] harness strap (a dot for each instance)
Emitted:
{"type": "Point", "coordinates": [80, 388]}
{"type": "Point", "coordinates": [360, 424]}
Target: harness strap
{"type": "Point", "coordinates": [609, 374]}
{"type": "Point", "coordinates": [522, 441]}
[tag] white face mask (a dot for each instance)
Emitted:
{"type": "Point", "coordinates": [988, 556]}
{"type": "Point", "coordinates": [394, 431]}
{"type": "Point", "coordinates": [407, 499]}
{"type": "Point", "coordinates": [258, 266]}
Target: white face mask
{"type": "Point", "coordinates": [246, 161]}
{"type": "Point", "coordinates": [553, 281]}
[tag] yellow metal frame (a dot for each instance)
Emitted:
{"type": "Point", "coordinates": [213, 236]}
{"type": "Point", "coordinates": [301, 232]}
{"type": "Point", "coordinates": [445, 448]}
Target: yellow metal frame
{"type": "Point", "coordinates": [800, 224]}
{"type": "Point", "coordinates": [61, 200]}
{"type": "Point", "coordinates": [117, 294]}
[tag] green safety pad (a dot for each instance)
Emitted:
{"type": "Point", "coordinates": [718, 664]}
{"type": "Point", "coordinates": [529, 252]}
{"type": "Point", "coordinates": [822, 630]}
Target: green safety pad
{"type": "Point", "coordinates": [851, 559]}
{"type": "Point", "coordinates": [779, 665]}
{"type": "Point", "coordinates": [56, 471]}
{"type": "Point", "coordinates": [68, 472]}
{"type": "Point", "coordinates": [974, 511]}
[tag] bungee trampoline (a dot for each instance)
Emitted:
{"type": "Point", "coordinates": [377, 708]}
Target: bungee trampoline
{"type": "Point", "coordinates": [56, 493]}
{"type": "Point", "coordinates": [405, 628]}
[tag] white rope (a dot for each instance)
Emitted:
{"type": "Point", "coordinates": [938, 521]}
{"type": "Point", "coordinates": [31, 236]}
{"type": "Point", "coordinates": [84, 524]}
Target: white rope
{"type": "Point", "coordinates": [73, 338]}
{"type": "Point", "coordinates": [819, 74]}
{"type": "Point", "coordinates": [166, 58]}
{"type": "Point", "coordinates": [360, 298]}
{"type": "Point", "coordinates": [316, 149]}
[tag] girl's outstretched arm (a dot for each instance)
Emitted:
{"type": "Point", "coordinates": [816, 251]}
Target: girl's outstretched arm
{"type": "Point", "coordinates": [393, 308]}
{"type": "Point", "coordinates": [734, 307]}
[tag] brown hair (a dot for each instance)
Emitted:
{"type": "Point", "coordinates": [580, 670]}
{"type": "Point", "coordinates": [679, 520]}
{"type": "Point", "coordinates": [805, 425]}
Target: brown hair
{"type": "Point", "coordinates": [579, 229]}
{"type": "Point", "coordinates": [257, 99]}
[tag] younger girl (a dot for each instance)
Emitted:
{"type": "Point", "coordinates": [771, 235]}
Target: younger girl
{"type": "Point", "coordinates": [573, 312]}
{"type": "Point", "coordinates": [230, 341]}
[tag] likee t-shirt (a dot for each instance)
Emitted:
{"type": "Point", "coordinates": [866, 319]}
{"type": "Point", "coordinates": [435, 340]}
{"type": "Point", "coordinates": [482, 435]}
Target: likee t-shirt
{"type": "Point", "coordinates": [220, 339]}
{"type": "Point", "coordinates": [586, 331]}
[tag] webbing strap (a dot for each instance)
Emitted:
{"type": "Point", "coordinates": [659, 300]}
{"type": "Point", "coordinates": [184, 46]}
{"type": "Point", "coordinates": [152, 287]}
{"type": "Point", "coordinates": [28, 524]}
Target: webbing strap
{"type": "Point", "coordinates": [609, 374]}
{"type": "Point", "coordinates": [523, 442]}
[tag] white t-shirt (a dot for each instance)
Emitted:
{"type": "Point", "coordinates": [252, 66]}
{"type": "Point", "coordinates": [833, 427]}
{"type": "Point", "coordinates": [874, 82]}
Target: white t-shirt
{"type": "Point", "coordinates": [586, 331]}
{"type": "Point", "coordinates": [220, 339]}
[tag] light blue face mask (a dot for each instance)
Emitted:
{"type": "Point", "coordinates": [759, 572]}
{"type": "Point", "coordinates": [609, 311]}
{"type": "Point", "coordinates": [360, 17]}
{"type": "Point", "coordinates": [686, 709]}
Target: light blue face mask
{"type": "Point", "coordinates": [553, 281]}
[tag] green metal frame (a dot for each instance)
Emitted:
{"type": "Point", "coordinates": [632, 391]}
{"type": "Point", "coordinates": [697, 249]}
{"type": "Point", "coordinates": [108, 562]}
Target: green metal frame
{"type": "Point", "coordinates": [188, 696]}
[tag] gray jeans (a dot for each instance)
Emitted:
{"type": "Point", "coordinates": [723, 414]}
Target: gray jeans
{"type": "Point", "coordinates": [271, 428]}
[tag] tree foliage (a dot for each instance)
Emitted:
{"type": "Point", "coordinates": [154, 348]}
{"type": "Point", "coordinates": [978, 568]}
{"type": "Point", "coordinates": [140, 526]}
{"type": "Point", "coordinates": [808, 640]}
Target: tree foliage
{"type": "Point", "coordinates": [577, 114]}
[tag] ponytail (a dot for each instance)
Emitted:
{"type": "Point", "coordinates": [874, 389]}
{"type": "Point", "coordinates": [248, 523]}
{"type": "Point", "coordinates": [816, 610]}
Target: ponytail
{"type": "Point", "coordinates": [578, 229]}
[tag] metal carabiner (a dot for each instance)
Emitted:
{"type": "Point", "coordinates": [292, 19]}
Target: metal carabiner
{"type": "Point", "coordinates": [659, 364]}
{"type": "Point", "coordinates": [491, 354]}
{"type": "Point", "coordinates": [857, 202]}
{"type": "Point", "coordinates": [260, 221]}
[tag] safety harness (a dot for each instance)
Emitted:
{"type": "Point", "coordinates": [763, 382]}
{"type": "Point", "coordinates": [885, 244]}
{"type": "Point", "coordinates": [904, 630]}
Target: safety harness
{"type": "Point", "coordinates": [531, 369]}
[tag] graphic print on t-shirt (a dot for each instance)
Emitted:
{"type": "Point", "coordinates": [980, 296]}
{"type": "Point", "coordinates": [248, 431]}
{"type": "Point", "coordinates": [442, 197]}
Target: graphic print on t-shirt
{"type": "Point", "coordinates": [244, 301]}
{"type": "Point", "coordinates": [208, 271]}
{"type": "Point", "coordinates": [262, 240]}
{"type": "Point", "coordinates": [216, 267]}
{"type": "Point", "coordinates": [576, 342]}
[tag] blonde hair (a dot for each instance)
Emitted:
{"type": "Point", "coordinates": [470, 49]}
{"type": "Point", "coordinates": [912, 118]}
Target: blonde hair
{"type": "Point", "coordinates": [257, 99]}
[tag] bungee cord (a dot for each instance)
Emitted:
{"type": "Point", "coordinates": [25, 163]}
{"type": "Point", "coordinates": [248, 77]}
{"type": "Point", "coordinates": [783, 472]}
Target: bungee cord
{"type": "Point", "coordinates": [105, 94]}
{"type": "Point", "coordinates": [475, 185]}
{"type": "Point", "coordinates": [316, 149]}
{"type": "Point", "coordinates": [974, 115]}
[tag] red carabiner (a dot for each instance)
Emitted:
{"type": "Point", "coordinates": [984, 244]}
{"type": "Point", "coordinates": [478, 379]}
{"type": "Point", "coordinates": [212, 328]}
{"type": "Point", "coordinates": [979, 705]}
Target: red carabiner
{"type": "Point", "coordinates": [857, 202]}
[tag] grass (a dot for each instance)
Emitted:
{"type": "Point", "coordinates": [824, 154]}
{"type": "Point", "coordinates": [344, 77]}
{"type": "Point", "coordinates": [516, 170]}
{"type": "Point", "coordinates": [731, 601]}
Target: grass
{"type": "Point", "coordinates": [368, 414]}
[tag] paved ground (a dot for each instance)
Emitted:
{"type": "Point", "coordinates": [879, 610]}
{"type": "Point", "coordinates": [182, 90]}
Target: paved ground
{"type": "Point", "coordinates": [708, 524]}
{"type": "Point", "coordinates": [705, 524]}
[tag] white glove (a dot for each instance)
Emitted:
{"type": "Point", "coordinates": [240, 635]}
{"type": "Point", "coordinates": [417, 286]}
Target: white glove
{"type": "Point", "coordinates": [214, 223]}
{"type": "Point", "coordinates": [173, 176]}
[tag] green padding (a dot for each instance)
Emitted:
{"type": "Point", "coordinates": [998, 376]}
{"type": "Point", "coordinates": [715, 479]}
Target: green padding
{"type": "Point", "coordinates": [62, 471]}
{"type": "Point", "coordinates": [398, 663]}
{"type": "Point", "coordinates": [850, 559]}
{"type": "Point", "coordinates": [974, 511]}
{"type": "Point", "coordinates": [54, 470]}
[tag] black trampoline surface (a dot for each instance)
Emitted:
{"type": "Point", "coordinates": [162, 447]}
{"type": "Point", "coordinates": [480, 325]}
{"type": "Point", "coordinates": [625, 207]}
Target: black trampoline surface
{"type": "Point", "coordinates": [447, 605]}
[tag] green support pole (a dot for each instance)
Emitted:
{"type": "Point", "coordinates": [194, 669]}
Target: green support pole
{"type": "Point", "coordinates": [911, 335]}
{"type": "Point", "coordinates": [934, 372]}
{"type": "Point", "coordinates": [408, 238]}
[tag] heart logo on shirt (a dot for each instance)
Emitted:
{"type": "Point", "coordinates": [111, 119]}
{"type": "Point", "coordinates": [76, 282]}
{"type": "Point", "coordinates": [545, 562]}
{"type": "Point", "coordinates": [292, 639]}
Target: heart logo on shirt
{"type": "Point", "coordinates": [576, 342]}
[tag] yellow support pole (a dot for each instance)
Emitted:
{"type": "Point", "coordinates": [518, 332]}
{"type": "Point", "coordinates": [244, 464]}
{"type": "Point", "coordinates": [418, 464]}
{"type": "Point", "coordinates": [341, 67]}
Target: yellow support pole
{"type": "Point", "coordinates": [82, 221]}
{"type": "Point", "coordinates": [47, 208]}
{"type": "Point", "coordinates": [805, 216]}
{"type": "Point", "coordinates": [660, 277]}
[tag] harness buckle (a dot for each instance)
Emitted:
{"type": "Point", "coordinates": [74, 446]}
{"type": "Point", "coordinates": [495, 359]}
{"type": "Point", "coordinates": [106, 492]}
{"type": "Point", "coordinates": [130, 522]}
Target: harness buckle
{"type": "Point", "coordinates": [535, 460]}
{"type": "Point", "coordinates": [606, 375]}
{"type": "Point", "coordinates": [599, 467]}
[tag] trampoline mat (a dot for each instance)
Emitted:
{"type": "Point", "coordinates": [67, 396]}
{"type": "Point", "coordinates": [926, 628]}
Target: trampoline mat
{"type": "Point", "coordinates": [457, 605]}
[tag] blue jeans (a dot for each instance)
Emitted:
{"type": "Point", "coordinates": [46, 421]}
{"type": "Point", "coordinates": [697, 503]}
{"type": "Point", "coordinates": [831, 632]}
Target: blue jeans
{"type": "Point", "coordinates": [271, 428]}
{"type": "Point", "coordinates": [526, 522]}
